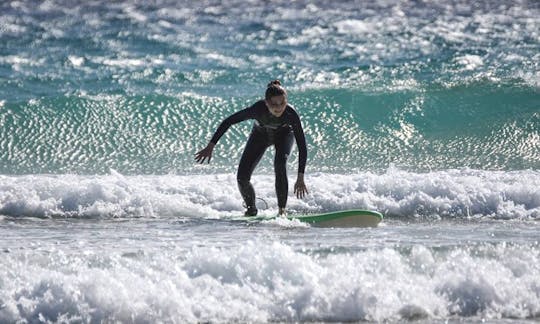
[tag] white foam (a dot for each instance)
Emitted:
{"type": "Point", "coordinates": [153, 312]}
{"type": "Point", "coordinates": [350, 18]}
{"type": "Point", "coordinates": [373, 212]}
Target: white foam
{"type": "Point", "coordinates": [451, 193]}
{"type": "Point", "coordinates": [76, 60]}
{"type": "Point", "coordinates": [10, 27]}
{"type": "Point", "coordinates": [353, 26]}
{"type": "Point", "coordinates": [225, 60]}
{"type": "Point", "coordinates": [469, 62]}
{"type": "Point", "coordinates": [135, 14]}
{"type": "Point", "coordinates": [531, 77]}
{"type": "Point", "coordinates": [248, 283]}
{"type": "Point", "coordinates": [16, 60]}
{"type": "Point", "coordinates": [285, 222]}
{"type": "Point", "coordinates": [124, 62]}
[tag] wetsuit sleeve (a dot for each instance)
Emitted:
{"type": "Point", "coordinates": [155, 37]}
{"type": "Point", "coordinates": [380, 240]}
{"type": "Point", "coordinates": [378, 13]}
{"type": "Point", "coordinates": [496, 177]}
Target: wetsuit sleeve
{"type": "Point", "coordinates": [245, 114]}
{"type": "Point", "coordinates": [300, 142]}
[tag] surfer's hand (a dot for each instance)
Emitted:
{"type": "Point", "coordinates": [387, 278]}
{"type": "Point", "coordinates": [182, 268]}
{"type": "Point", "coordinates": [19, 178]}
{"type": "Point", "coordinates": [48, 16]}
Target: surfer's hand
{"type": "Point", "coordinates": [205, 153]}
{"type": "Point", "coordinates": [300, 188]}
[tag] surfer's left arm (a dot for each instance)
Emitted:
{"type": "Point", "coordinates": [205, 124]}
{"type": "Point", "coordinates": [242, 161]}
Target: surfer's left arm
{"type": "Point", "coordinates": [300, 188]}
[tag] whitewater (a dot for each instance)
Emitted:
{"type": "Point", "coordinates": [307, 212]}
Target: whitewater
{"type": "Point", "coordinates": [428, 113]}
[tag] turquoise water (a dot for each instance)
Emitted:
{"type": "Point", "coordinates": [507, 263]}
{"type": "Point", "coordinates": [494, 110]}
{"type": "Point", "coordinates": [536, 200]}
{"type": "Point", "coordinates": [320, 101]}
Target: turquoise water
{"type": "Point", "coordinates": [426, 112]}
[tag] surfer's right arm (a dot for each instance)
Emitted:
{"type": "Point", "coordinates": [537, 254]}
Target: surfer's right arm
{"type": "Point", "coordinates": [206, 153]}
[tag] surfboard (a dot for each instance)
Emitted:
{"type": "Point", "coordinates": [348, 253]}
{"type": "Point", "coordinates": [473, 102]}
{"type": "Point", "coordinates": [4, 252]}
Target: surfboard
{"type": "Point", "coordinates": [346, 218]}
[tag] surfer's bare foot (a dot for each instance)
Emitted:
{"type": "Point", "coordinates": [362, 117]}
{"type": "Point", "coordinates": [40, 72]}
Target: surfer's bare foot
{"type": "Point", "coordinates": [282, 212]}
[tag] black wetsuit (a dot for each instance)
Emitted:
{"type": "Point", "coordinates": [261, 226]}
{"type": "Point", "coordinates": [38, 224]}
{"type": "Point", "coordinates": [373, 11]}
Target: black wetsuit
{"type": "Point", "coordinates": [267, 130]}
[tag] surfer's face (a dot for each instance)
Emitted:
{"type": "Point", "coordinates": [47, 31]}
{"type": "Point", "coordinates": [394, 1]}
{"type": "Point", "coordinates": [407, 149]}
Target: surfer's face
{"type": "Point", "coordinates": [276, 105]}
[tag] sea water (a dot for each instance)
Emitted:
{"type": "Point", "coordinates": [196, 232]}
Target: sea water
{"type": "Point", "coordinates": [426, 112]}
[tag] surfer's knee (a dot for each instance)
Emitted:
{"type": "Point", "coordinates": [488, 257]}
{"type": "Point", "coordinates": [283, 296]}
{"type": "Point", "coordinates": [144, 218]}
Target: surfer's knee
{"type": "Point", "coordinates": [242, 180]}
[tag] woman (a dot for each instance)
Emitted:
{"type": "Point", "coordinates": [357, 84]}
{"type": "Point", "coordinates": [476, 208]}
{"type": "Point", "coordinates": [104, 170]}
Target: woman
{"type": "Point", "coordinates": [276, 123]}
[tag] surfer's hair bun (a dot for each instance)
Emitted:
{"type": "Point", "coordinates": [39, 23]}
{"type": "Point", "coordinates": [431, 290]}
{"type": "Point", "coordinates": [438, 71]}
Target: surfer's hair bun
{"type": "Point", "coordinates": [274, 89]}
{"type": "Point", "coordinates": [275, 82]}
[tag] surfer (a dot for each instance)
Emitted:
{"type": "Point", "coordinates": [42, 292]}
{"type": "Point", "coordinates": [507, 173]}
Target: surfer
{"type": "Point", "coordinates": [276, 123]}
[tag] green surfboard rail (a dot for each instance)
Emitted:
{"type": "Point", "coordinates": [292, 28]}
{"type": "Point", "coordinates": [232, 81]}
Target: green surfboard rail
{"type": "Point", "coordinates": [316, 218]}
{"type": "Point", "coordinates": [346, 218]}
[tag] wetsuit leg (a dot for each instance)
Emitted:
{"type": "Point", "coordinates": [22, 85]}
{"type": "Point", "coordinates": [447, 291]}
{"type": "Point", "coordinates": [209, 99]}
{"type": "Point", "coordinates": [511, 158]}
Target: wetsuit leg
{"type": "Point", "coordinates": [253, 152]}
{"type": "Point", "coordinates": [283, 143]}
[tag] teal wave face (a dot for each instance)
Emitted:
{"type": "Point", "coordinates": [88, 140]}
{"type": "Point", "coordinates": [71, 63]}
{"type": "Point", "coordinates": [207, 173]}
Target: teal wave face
{"type": "Point", "coordinates": [477, 126]}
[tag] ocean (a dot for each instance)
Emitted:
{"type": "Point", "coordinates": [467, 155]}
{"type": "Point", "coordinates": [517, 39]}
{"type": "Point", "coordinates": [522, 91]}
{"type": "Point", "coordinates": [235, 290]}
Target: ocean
{"type": "Point", "coordinates": [428, 112]}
